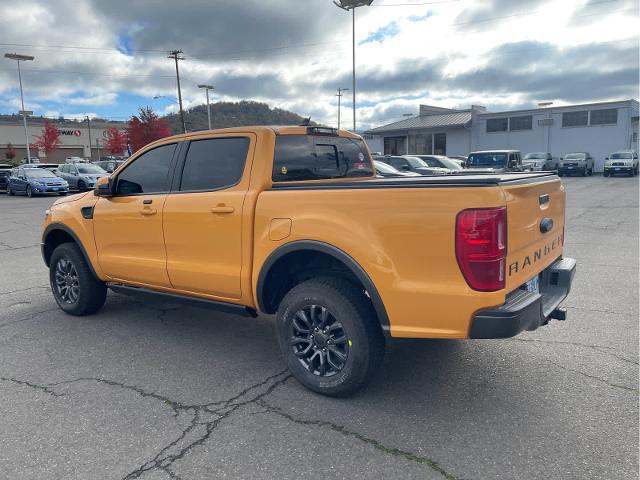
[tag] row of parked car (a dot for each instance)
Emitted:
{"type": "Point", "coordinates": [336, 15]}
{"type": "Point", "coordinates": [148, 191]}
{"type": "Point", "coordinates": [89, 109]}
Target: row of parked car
{"type": "Point", "coordinates": [498, 161]}
{"type": "Point", "coordinates": [43, 178]}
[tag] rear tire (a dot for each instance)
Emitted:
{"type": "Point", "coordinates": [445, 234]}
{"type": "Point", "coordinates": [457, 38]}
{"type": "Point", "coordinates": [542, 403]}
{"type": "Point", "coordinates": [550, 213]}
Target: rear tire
{"type": "Point", "coordinates": [329, 336]}
{"type": "Point", "coordinates": [591, 172]}
{"type": "Point", "coordinates": [560, 174]}
{"type": "Point", "coordinates": [76, 290]}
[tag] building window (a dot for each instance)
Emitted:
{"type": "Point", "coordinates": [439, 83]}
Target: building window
{"type": "Point", "coordinates": [440, 144]}
{"type": "Point", "coordinates": [604, 117]}
{"type": "Point", "coordinates": [575, 119]}
{"type": "Point", "coordinates": [497, 125]}
{"type": "Point", "coordinates": [395, 145]}
{"type": "Point", "coordinates": [520, 123]}
{"type": "Point", "coordinates": [420, 144]}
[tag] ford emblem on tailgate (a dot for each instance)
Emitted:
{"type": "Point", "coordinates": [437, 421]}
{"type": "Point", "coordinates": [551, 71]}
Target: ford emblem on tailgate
{"type": "Point", "coordinates": [546, 225]}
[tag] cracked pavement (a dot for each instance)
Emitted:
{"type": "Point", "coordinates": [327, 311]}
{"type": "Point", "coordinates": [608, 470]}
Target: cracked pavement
{"type": "Point", "coordinates": [161, 391]}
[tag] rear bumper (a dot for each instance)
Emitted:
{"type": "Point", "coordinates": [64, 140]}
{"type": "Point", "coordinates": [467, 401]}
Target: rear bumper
{"type": "Point", "coordinates": [527, 310]}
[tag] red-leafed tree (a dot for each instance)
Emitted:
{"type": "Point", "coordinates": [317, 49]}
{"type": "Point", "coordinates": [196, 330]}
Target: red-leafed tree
{"type": "Point", "coordinates": [116, 141]}
{"type": "Point", "coordinates": [146, 127]}
{"type": "Point", "coordinates": [49, 140]}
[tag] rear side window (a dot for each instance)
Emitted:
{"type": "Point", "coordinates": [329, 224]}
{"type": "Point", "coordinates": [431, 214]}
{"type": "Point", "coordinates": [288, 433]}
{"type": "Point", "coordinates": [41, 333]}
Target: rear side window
{"type": "Point", "coordinates": [308, 157]}
{"type": "Point", "coordinates": [148, 173]}
{"type": "Point", "coordinates": [214, 163]}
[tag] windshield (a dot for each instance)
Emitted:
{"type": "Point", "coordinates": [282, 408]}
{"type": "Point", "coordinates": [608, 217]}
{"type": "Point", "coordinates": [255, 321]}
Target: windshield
{"type": "Point", "coordinates": [535, 156]}
{"type": "Point", "coordinates": [90, 169]}
{"type": "Point", "coordinates": [415, 162]}
{"type": "Point", "coordinates": [620, 155]}
{"type": "Point", "coordinates": [38, 173]}
{"type": "Point", "coordinates": [575, 156]}
{"type": "Point", "coordinates": [450, 164]}
{"type": "Point", "coordinates": [384, 168]}
{"type": "Point", "coordinates": [487, 160]}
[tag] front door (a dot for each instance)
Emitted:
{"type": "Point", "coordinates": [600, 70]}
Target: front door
{"type": "Point", "coordinates": [128, 225]}
{"type": "Point", "coordinates": [203, 216]}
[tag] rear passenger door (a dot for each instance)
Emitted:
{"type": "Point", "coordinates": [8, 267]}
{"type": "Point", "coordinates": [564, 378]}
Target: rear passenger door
{"type": "Point", "coordinates": [203, 215]}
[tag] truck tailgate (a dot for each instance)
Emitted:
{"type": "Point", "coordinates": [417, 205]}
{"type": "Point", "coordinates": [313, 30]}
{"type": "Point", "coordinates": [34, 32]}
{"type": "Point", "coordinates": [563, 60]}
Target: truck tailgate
{"type": "Point", "coordinates": [535, 227]}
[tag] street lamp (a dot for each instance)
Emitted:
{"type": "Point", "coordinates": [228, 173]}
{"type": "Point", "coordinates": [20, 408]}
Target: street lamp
{"type": "Point", "coordinates": [542, 105]}
{"type": "Point", "coordinates": [352, 5]}
{"type": "Point", "coordinates": [339, 95]}
{"type": "Point", "coordinates": [156, 97]}
{"type": "Point", "coordinates": [207, 88]}
{"type": "Point", "coordinates": [18, 59]}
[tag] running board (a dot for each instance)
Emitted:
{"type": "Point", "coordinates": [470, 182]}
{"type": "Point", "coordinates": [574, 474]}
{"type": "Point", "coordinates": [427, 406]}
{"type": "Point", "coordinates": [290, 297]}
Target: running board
{"type": "Point", "coordinates": [184, 299]}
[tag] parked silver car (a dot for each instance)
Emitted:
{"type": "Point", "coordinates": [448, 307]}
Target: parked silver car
{"type": "Point", "coordinates": [81, 176]}
{"type": "Point", "coordinates": [538, 161]}
{"type": "Point", "coordinates": [580, 163]}
{"type": "Point", "coordinates": [624, 161]}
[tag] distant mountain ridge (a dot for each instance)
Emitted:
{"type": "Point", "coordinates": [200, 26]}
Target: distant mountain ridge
{"type": "Point", "coordinates": [233, 114]}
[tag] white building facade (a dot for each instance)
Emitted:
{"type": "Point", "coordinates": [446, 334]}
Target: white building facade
{"type": "Point", "coordinates": [597, 128]}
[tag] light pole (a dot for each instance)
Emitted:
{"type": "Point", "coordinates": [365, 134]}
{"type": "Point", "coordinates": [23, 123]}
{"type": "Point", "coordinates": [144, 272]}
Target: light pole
{"type": "Point", "coordinates": [89, 128]}
{"type": "Point", "coordinates": [352, 5]}
{"type": "Point", "coordinates": [18, 59]}
{"type": "Point", "coordinates": [177, 55]}
{"type": "Point", "coordinates": [207, 88]}
{"type": "Point", "coordinates": [339, 95]}
{"type": "Point", "coordinates": [543, 105]}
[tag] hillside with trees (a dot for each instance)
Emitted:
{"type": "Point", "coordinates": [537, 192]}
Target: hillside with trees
{"type": "Point", "coordinates": [230, 114]}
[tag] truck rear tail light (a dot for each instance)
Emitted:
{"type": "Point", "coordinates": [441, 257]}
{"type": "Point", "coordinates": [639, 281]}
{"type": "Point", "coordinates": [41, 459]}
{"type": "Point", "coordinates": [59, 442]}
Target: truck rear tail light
{"type": "Point", "coordinates": [481, 247]}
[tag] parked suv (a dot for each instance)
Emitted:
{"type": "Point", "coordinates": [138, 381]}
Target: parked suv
{"type": "Point", "coordinates": [576, 163]}
{"type": "Point", "coordinates": [494, 161]}
{"type": "Point", "coordinates": [109, 166]}
{"type": "Point", "coordinates": [538, 161]}
{"type": "Point", "coordinates": [624, 161]}
{"type": "Point", "coordinates": [81, 176]}
{"type": "Point", "coordinates": [32, 181]}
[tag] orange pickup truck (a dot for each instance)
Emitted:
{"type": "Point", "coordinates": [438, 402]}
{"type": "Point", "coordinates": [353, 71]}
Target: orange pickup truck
{"type": "Point", "coordinates": [293, 221]}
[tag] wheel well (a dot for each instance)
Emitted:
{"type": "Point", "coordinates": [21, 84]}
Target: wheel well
{"type": "Point", "coordinates": [52, 240]}
{"type": "Point", "coordinates": [296, 267]}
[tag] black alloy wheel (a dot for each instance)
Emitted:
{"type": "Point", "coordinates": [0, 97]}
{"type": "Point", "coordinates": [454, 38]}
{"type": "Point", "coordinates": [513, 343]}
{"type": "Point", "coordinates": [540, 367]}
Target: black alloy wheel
{"type": "Point", "coordinates": [67, 283]}
{"type": "Point", "coordinates": [319, 340]}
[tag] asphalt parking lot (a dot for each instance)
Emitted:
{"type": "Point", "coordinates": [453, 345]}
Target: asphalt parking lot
{"type": "Point", "coordinates": [160, 391]}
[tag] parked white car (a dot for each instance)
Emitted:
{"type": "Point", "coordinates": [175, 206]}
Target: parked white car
{"type": "Point", "coordinates": [624, 161]}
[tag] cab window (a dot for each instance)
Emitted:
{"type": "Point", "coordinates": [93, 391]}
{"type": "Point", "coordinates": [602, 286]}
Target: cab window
{"type": "Point", "coordinates": [149, 173]}
{"type": "Point", "coordinates": [316, 157]}
{"type": "Point", "coordinates": [214, 163]}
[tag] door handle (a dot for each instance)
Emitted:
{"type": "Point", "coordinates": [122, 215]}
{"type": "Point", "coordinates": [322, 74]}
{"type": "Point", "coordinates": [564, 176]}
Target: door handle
{"type": "Point", "coordinates": [148, 211]}
{"type": "Point", "coordinates": [222, 209]}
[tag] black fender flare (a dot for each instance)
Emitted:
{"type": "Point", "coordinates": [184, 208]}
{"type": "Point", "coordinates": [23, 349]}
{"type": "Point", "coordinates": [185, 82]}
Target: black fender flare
{"type": "Point", "coordinates": [59, 226]}
{"type": "Point", "coordinates": [334, 252]}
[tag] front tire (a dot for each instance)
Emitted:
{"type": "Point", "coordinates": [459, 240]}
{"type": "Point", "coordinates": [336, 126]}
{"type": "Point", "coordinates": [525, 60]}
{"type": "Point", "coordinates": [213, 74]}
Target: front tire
{"type": "Point", "coordinates": [76, 290]}
{"type": "Point", "coordinates": [329, 336]}
{"type": "Point", "coordinates": [605, 174]}
{"type": "Point", "coordinates": [10, 192]}
{"type": "Point", "coordinates": [81, 186]}
{"type": "Point", "coordinates": [29, 191]}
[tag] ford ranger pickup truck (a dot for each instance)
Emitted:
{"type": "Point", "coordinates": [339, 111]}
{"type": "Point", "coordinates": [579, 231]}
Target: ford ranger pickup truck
{"type": "Point", "coordinates": [293, 221]}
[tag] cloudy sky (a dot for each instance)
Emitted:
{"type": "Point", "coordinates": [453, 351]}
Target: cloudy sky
{"type": "Point", "coordinates": [107, 58]}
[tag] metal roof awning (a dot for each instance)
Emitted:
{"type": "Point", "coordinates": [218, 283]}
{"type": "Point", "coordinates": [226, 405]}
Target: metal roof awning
{"type": "Point", "coordinates": [454, 119]}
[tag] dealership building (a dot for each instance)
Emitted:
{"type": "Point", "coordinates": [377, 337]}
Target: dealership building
{"type": "Point", "coordinates": [597, 128]}
{"type": "Point", "coordinates": [77, 138]}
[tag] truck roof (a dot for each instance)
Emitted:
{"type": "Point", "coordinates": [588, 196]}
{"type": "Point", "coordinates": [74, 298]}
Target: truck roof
{"type": "Point", "coordinates": [495, 151]}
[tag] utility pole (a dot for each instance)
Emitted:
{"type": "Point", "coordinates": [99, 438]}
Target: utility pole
{"type": "Point", "coordinates": [89, 128]}
{"type": "Point", "coordinates": [339, 95]}
{"type": "Point", "coordinates": [176, 55]}
{"type": "Point", "coordinates": [207, 88]}
{"type": "Point", "coordinates": [22, 58]}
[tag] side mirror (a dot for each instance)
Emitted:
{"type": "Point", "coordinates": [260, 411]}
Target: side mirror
{"type": "Point", "coordinates": [104, 187]}
{"type": "Point", "coordinates": [405, 167]}
{"type": "Point", "coordinates": [606, 158]}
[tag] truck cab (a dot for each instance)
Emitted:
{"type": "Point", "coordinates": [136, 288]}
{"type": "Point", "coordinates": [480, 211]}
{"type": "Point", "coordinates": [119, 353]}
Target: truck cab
{"type": "Point", "coordinates": [495, 161]}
